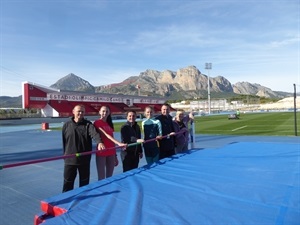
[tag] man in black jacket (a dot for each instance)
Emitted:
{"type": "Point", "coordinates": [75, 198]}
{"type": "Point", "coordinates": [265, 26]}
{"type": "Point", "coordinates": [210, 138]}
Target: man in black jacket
{"type": "Point", "coordinates": [77, 136]}
{"type": "Point", "coordinates": [166, 145]}
{"type": "Point", "coordinates": [131, 133]}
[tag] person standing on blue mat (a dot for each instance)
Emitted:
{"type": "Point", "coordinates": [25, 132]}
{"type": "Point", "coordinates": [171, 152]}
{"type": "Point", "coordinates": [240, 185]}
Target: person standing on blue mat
{"type": "Point", "coordinates": [106, 160]}
{"type": "Point", "coordinates": [152, 130]}
{"type": "Point", "coordinates": [188, 121]}
{"type": "Point", "coordinates": [166, 145]}
{"type": "Point", "coordinates": [77, 136]}
{"type": "Point", "coordinates": [182, 133]}
{"type": "Point", "coordinates": [131, 134]}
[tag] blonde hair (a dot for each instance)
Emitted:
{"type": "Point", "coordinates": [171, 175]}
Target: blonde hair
{"type": "Point", "coordinates": [179, 112]}
{"type": "Point", "coordinates": [149, 107]}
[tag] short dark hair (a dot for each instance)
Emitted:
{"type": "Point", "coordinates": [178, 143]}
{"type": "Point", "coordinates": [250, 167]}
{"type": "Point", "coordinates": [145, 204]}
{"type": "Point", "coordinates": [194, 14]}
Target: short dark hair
{"type": "Point", "coordinates": [166, 104]}
{"type": "Point", "coordinates": [133, 111]}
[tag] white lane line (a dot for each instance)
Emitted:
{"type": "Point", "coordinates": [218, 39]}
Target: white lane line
{"type": "Point", "coordinates": [239, 128]}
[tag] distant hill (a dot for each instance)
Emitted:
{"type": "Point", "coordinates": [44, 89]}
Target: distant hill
{"type": "Point", "coordinates": [185, 83]}
{"type": "Point", "coordinates": [10, 102]}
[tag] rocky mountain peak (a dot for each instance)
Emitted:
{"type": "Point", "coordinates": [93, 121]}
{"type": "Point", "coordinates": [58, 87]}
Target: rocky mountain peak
{"type": "Point", "coordinates": [255, 89]}
{"type": "Point", "coordinates": [71, 82]}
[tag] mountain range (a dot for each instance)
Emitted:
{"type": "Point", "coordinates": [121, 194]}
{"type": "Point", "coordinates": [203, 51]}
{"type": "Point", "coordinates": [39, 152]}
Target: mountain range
{"type": "Point", "coordinates": [185, 83]}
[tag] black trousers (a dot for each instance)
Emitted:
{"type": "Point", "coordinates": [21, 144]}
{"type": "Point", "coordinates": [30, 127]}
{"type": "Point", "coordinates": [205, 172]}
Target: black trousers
{"type": "Point", "coordinates": [130, 160]}
{"type": "Point", "coordinates": [167, 147]}
{"type": "Point", "coordinates": [70, 173]}
{"type": "Point", "coordinates": [165, 154]}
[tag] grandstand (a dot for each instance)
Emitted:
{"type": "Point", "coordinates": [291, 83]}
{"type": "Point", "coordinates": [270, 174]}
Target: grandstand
{"type": "Point", "coordinates": [58, 103]}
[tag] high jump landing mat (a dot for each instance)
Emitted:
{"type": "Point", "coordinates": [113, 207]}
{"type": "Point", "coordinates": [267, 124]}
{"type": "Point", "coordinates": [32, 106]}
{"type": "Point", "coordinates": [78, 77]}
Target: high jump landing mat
{"type": "Point", "coordinates": [239, 183]}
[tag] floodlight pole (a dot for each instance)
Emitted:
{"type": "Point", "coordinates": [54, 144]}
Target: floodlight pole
{"type": "Point", "coordinates": [295, 110]}
{"type": "Point", "coordinates": [199, 96]}
{"type": "Point", "coordinates": [208, 67]}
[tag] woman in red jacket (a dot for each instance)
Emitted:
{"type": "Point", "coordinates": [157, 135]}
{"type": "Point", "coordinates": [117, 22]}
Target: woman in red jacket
{"type": "Point", "coordinates": [106, 159]}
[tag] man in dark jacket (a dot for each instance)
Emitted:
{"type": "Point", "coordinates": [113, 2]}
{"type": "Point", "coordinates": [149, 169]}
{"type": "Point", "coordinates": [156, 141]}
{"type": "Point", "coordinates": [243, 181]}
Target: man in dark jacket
{"type": "Point", "coordinates": [131, 133]}
{"type": "Point", "coordinates": [77, 136]}
{"type": "Point", "coordinates": [166, 145]}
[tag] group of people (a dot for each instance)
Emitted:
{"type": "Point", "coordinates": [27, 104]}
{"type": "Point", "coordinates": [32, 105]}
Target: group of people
{"type": "Point", "coordinates": [158, 137]}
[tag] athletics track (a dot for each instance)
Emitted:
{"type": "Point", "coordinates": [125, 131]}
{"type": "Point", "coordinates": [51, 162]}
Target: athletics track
{"type": "Point", "coordinates": [223, 180]}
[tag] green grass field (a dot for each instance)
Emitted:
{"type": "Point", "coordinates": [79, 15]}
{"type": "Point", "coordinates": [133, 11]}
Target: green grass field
{"type": "Point", "coordinates": [268, 124]}
{"type": "Point", "coordinates": [272, 124]}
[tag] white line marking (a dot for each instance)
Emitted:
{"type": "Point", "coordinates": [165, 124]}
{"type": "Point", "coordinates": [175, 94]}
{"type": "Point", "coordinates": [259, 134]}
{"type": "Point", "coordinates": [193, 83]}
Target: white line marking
{"type": "Point", "coordinates": [239, 128]}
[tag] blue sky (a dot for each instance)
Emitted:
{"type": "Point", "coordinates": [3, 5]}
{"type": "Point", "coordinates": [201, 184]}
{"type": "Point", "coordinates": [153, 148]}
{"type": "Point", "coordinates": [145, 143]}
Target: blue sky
{"type": "Point", "coordinates": [105, 42]}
